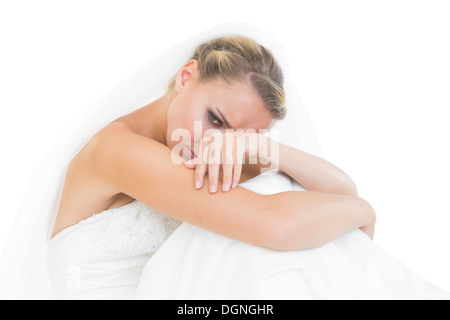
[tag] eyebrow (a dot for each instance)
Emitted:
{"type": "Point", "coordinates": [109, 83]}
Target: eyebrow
{"type": "Point", "coordinates": [224, 119]}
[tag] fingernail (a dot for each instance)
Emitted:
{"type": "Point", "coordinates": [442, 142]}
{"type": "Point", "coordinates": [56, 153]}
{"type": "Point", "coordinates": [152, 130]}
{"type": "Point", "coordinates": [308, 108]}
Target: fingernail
{"type": "Point", "coordinates": [198, 184]}
{"type": "Point", "coordinates": [226, 187]}
{"type": "Point", "coordinates": [235, 183]}
{"type": "Point", "coordinates": [213, 188]}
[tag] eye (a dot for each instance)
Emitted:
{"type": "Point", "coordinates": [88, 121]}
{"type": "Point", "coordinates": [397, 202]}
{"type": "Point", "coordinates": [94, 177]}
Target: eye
{"type": "Point", "coordinates": [214, 120]}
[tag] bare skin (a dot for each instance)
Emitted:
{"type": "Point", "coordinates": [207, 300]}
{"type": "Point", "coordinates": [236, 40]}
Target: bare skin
{"type": "Point", "coordinates": [131, 159]}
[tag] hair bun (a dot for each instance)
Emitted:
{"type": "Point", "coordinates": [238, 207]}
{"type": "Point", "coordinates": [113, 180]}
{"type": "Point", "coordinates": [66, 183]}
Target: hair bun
{"type": "Point", "coordinates": [241, 58]}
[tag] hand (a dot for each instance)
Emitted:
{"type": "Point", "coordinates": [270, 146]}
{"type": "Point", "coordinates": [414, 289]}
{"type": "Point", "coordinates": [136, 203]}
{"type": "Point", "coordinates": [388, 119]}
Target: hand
{"type": "Point", "coordinates": [227, 149]}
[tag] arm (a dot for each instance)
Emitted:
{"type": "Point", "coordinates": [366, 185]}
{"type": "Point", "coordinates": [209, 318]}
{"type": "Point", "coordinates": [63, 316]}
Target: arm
{"type": "Point", "coordinates": [142, 168]}
{"type": "Point", "coordinates": [313, 173]}
{"type": "Point", "coordinates": [261, 152]}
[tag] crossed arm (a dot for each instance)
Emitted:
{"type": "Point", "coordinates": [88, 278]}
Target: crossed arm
{"type": "Point", "coordinates": [313, 173]}
{"type": "Point", "coordinates": [142, 168]}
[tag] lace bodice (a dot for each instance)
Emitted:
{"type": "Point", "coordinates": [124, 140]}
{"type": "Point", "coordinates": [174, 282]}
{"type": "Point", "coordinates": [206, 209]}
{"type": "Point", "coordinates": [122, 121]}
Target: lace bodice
{"type": "Point", "coordinates": [132, 230]}
{"type": "Point", "coordinates": [103, 256]}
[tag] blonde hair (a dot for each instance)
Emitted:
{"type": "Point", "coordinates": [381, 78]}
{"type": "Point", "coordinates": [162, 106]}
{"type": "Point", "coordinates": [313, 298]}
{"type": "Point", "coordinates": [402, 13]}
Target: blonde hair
{"type": "Point", "coordinates": [241, 58]}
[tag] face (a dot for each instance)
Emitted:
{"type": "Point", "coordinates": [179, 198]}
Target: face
{"type": "Point", "coordinates": [216, 105]}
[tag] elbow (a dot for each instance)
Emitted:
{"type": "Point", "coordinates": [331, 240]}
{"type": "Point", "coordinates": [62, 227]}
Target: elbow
{"type": "Point", "coordinates": [351, 189]}
{"type": "Point", "coordinates": [348, 187]}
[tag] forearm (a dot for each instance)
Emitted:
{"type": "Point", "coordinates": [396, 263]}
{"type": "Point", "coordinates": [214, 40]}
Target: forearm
{"type": "Point", "coordinates": [313, 173]}
{"type": "Point", "coordinates": [312, 219]}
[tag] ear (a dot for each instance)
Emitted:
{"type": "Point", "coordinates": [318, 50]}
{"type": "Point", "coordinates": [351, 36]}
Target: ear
{"type": "Point", "coordinates": [189, 71]}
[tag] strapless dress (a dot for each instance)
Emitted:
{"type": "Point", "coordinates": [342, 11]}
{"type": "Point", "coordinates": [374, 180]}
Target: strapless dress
{"type": "Point", "coordinates": [102, 257]}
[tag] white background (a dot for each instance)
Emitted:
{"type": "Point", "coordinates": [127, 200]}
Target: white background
{"type": "Point", "coordinates": [373, 75]}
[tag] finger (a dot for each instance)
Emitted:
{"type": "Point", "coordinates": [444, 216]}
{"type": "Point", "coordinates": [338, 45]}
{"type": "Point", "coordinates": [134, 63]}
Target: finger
{"type": "Point", "coordinates": [200, 171]}
{"type": "Point", "coordinates": [213, 174]}
{"type": "Point", "coordinates": [237, 170]}
{"type": "Point", "coordinates": [214, 161]}
{"type": "Point", "coordinates": [201, 168]}
{"type": "Point", "coordinates": [227, 177]}
{"type": "Point", "coordinates": [228, 164]}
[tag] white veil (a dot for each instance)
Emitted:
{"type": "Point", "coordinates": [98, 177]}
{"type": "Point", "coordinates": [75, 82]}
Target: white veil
{"type": "Point", "coordinates": [23, 262]}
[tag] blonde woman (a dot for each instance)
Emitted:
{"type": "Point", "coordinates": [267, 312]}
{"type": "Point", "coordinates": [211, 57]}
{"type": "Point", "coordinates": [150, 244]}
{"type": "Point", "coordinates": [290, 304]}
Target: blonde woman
{"type": "Point", "coordinates": [126, 191]}
{"type": "Point", "coordinates": [230, 83]}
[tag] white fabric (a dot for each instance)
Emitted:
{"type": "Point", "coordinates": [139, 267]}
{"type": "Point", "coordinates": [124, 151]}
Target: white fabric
{"type": "Point", "coordinates": [135, 252]}
{"type": "Point", "coordinates": [197, 264]}
{"type": "Point", "coordinates": [102, 257]}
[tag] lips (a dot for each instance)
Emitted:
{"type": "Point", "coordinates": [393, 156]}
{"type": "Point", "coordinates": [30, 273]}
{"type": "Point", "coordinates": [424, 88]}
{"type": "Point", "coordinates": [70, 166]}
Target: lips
{"type": "Point", "coordinates": [189, 154]}
{"type": "Point", "coordinates": [192, 154]}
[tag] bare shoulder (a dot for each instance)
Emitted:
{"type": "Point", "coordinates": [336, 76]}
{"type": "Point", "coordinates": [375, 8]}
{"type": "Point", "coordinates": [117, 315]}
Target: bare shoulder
{"type": "Point", "coordinates": [117, 152]}
{"type": "Point", "coordinates": [85, 192]}
{"type": "Point", "coordinates": [113, 128]}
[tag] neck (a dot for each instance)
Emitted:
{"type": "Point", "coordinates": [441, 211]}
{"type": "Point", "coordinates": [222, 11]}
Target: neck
{"type": "Point", "coordinates": [151, 120]}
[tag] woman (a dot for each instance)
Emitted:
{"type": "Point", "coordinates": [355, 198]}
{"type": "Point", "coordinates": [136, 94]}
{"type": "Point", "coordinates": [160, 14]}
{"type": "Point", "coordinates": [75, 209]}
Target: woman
{"type": "Point", "coordinates": [129, 174]}
{"type": "Point", "coordinates": [230, 83]}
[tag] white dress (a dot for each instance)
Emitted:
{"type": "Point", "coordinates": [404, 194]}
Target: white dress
{"type": "Point", "coordinates": [134, 252]}
{"type": "Point", "coordinates": [102, 257]}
